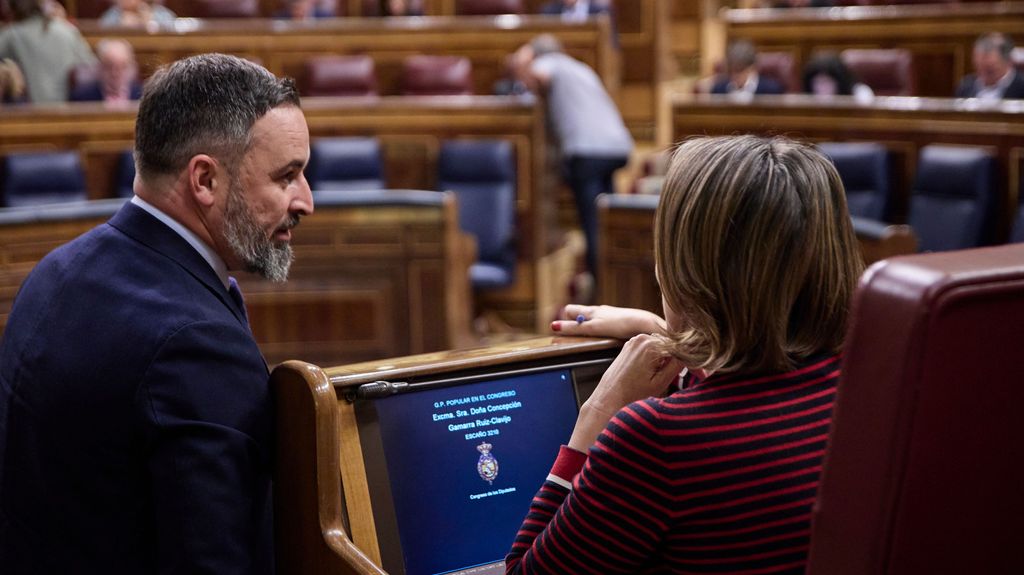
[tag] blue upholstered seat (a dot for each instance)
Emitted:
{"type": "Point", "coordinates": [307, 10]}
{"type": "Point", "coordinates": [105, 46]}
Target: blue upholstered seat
{"type": "Point", "coordinates": [953, 199]}
{"type": "Point", "coordinates": [35, 178]}
{"type": "Point", "coordinates": [864, 169]}
{"type": "Point", "coordinates": [482, 175]}
{"type": "Point", "coordinates": [125, 182]}
{"type": "Point", "coordinates": [345, 164]}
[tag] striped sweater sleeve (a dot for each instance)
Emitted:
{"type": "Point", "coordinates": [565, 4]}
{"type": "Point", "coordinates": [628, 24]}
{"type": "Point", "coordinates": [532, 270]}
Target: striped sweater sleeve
{"type": "Point", "coordinates": [616, 513]}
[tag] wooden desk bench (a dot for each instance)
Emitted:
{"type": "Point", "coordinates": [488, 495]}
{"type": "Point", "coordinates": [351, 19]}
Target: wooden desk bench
{"type": "Point", "coordinates": [375, 275]}
{"type": "Point", "coordinates": [626, 254]}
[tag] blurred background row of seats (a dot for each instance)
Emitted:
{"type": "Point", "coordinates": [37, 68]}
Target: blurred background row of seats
{"type": "Point", "coordinates": [421, 75]}
{"type": "Point", "coordinates": [952, 202]}
{"type": "Point", "coordinates": [480, 172]}
{"type": "Point", "coordinates": [887, 71]}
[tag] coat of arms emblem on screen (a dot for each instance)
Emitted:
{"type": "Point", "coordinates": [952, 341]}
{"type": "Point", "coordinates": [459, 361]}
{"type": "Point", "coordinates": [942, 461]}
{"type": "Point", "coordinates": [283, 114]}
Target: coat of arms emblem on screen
{"type": "Point", "coordinates": [487, 465]}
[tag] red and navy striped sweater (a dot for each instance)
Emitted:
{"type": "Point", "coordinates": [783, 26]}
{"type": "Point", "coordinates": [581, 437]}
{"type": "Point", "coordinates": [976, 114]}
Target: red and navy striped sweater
{"type": "Point", "coordinates": [716, 478]}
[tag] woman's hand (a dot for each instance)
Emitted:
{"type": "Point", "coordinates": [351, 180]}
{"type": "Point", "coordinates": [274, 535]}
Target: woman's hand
{"type": "Point", "coordinates": [607, 321]}
{"type": "Point", "coordinates": [642, 369]}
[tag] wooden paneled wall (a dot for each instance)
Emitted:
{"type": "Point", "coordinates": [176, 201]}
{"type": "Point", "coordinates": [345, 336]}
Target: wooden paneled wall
{"type": "Point", "coordinates": [903, 125]}
{"type": "Point", "coordinates": [410, 131]}
{"type": "Point", "coordinates": [940, 37]}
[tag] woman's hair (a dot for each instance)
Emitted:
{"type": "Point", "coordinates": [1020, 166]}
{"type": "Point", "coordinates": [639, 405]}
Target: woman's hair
{"type": "Point", "coordinates": [831, 65]}
{"type": "Point", "coordinates": [755, 253]}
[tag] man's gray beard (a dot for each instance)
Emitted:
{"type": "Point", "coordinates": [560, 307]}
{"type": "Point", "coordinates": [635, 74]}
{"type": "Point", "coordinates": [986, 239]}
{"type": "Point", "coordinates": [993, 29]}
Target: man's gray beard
{"type": "Point", "coordinates": [257, 252]}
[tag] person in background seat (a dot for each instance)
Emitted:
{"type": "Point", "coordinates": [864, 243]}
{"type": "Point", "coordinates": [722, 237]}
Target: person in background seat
{"type": "Point", "coordinates": [741, 73]}
{"type": "Point", "coordinates": [994, 77]}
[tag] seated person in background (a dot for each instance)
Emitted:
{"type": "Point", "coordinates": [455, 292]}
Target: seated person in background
{"type": "Point", "coordinates": [757, 262]}
{"type": "Point", "coordinates": [45, 49]}
{"type": "Point", "coordinates": [401, 8]}
{"type": "Point", "coordinates": [742, 76]}
{"type": "Point", "coordinates": [137, 14]}
{"type": "Point", "coordinates": [994, 76]}
{"type": "Point", "coordinates": [826, 75]}
{"type": "Point", "coordinates": [118, 75]}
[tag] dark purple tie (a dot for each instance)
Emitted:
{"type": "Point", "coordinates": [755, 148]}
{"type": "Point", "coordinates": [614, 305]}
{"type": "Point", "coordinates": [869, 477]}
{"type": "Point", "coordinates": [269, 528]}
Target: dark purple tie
{"type": "Point", "coordinates": [236, 294]}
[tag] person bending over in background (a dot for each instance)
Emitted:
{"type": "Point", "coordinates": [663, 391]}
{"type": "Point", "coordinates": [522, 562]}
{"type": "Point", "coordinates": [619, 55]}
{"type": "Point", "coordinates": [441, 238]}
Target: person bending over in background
{"type": "Point", "coordinates": [45, 49]}
{"type": "Point", "coordinates": [757, 262]}
{"type": "Point", "coordinates": [592, 137]}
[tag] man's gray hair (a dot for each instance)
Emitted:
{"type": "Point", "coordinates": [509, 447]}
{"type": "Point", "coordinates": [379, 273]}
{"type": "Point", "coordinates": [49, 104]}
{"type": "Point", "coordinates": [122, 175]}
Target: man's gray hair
{"type": "Point", "coordinates": [205, 104]}
{"type": "Point", "coordinates": [740, 55]}
{"type": "Point", "coordinates": [995, 42]}
{"type": "Point", "coordinates": [545, 44]}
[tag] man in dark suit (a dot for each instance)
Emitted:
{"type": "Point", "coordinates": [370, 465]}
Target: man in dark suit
{"type": "Point", "coordinates": [995, 77]}
{"type": "Point", "coordinates": [116, 78]}
{"type": "Point", "coordinates": [135, 417]}
{"type": "Point", "coordinates": [742, 76]}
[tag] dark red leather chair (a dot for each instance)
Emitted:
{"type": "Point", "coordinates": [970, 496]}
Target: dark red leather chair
{"type": "Point", "coordinates": [424, 75]}
{"type": "Point", "coordinates": [488, 7]}
{"type": "Point", "coordinates": [779, 66]}
{"type": "Point", "coordinates": [925, 466]}
{"type": "Point", "coordinates": [340, 76]}
{"type": "Point", "coordinates": [889, 72]}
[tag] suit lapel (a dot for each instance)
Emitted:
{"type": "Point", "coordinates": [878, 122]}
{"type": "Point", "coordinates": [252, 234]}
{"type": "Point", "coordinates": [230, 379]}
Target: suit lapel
{"type": "Point", "coordinates": [136, 223]}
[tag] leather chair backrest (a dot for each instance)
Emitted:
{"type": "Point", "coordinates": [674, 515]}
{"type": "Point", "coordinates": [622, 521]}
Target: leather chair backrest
{"type": "Point", "coordinates": [924, 467]}
{"type": "Point", "coordinates": [424, 75]}
{"type": "Point", "coordinates": [889, 72]}
{"type": "Point", "coordinates": [864, 169]}
{"type": "Point", "coordinates": [482, 175]}
{"type": "Point", "coordinates": [217, 8]}
{"type": "Point", "coordinates": [340, 76]}
{"type": "Point", "coordinates": [953, 198]}
{"type": "Point", "coordinates": [345, 164]}
{"type": "Point", "coordinates": [36, 178]}
{"type": "Point", "coordinates": [488, 7]}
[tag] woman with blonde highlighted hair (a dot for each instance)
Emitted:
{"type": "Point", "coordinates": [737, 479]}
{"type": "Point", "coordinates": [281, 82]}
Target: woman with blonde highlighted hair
{"type": "Point", "coordinates": [757, 262]}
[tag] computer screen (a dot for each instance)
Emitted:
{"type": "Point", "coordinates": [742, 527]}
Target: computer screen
{"type": "Point", "coordinates": [456, 467]}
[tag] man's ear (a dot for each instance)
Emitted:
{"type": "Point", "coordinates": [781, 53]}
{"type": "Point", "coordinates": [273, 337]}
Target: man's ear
{"type": "Point", "coordinates": [205, 178]}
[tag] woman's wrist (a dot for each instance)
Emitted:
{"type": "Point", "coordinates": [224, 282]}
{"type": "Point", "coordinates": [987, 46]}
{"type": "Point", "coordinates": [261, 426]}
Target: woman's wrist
{"type": "Point", "coordinates": [589, 424]}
